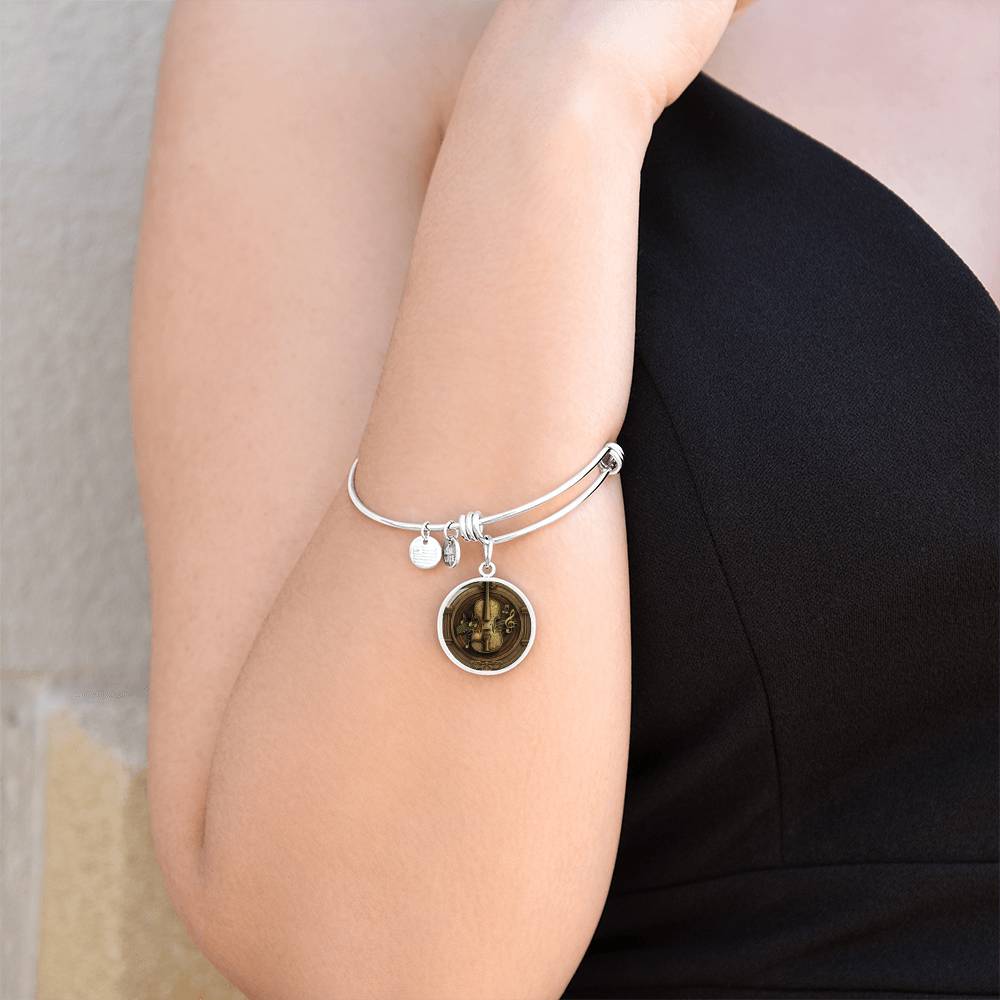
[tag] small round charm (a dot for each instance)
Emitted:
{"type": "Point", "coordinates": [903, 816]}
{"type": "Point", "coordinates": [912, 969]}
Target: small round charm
{"type": "Point", "coordinates": [425, 552]}
{"type": "Point", "coordinates": [486, 625]}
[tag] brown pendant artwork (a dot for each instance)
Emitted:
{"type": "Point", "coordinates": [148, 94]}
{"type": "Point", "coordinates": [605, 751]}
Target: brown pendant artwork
{"type": "Point", "coordinates": [486, 625]}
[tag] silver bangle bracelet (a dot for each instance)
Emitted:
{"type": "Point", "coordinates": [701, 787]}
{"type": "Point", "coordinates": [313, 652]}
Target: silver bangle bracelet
{"type": "Point", "coordinates": [487, 625]}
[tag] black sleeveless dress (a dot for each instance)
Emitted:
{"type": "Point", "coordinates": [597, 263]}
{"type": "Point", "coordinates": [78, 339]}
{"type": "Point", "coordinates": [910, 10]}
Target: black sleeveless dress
{"type": "Point", "coordinates": [811, 492]}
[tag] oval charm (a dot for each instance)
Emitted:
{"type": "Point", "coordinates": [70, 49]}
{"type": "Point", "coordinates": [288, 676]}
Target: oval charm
{"type": "Point", "coordinates": [425, 553]}
{"type": "Point", "coordinates": [486, 625]}
{"type": "Point", "coordinates": [452, 552]}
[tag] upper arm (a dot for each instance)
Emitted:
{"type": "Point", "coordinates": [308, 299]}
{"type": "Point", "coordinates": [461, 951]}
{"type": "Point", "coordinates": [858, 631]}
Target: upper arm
{"type": "Point", "coordinates": [291, 152]}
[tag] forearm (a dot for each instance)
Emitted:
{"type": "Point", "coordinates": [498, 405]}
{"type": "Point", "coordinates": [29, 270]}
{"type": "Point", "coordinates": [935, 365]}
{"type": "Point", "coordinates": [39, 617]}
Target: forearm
{"type": "Point", "coordinates": [514, 336]}
{"type": "Point", "coordinates": [385, 823]}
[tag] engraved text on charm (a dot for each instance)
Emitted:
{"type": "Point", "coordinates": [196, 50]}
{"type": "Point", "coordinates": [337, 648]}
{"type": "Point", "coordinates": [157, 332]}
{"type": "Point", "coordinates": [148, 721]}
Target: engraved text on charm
{"type": "Point", "coordinates": [486, 625]}
{"type": "Point", "coordinates": [425, 551]}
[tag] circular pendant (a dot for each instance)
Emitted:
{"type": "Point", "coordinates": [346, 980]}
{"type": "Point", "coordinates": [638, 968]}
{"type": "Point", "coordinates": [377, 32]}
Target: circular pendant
{"type": "Point", "coordinates": [425, 553]}
{"type": "Point", "coordinates": [486, 625]}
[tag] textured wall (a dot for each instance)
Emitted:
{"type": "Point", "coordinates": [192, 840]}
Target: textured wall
{"type": "Point", "coordinates": [78, 82]}
{"type": "Point", "coordinates": [84, 913]}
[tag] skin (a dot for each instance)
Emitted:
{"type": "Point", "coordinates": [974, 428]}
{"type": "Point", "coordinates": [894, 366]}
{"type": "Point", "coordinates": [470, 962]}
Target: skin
{"type": "Point", "coordinates": [339, 811]}
{"type": "Point", "coordinates": [909, 90]}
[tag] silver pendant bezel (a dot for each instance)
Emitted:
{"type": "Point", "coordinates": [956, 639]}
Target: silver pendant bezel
{"type": "Point", "coordinates": [449, 597]}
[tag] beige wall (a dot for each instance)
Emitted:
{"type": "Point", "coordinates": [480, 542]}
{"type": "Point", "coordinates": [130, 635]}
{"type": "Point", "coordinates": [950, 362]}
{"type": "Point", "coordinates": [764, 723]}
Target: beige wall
{"type": "Point", "coordinates": [84, 913]}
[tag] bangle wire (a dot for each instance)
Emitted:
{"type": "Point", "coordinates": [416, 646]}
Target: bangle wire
{"type": "Point", "coordinates": [609, 458]}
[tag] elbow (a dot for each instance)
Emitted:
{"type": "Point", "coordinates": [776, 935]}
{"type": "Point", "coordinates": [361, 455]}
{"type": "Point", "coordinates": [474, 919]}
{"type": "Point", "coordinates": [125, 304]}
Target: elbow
{"type": "Point", "coordinates": [215, 922]}
{"type": "Point", "coordinates": [175, 827]}
{"type": "Point", "coordinates": [278, 933]}
{"type": "Point", "coordinates": [176, 851]}
{"type": "Point", "coordinates": [295, 905]}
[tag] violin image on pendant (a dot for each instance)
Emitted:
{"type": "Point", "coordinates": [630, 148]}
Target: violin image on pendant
{"type": "Point", "coordinates": [486, 626]}
{"type": "Point", "coordinates": [490, 621]}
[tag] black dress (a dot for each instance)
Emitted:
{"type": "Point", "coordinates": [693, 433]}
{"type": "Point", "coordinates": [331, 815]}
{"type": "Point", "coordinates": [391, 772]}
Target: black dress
{"type": "Point", "coordinates": [811, 492]}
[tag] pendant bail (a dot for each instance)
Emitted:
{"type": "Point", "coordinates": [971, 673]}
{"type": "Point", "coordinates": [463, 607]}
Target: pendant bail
{"type": "Point", "coordinates": [486, 567]}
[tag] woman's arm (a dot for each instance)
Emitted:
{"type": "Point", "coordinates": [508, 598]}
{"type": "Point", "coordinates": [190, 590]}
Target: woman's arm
{"type": "Point", "coordinates": [289, 162]}
{"type": "Point", "coordinates": [377, 822]}
{"type": "Point", "coordinates": [384, 823]}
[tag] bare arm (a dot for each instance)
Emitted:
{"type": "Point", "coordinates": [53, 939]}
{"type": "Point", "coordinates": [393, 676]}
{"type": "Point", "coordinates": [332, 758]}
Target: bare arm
{"type": "Point", "coordinates": [289, 163]}
{"type": "Point", "coordinates": [427, 811]}
{"type": "Point", "coordinates": [356, 817]}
